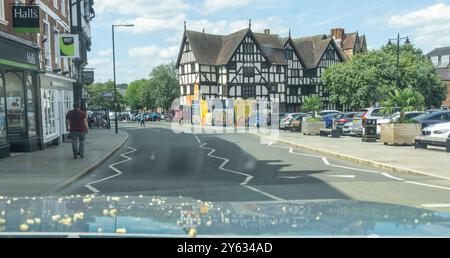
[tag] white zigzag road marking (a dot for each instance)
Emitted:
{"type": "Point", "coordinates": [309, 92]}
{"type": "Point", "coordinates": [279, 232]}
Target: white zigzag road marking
{"type": "Point", "coordinates": [112, 166]}
{"type": "Point", "coordinates": [248, 177]}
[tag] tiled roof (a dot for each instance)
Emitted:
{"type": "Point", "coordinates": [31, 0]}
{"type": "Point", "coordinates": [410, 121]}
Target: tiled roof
{"type": "Point", "coordinates": [442, 51]}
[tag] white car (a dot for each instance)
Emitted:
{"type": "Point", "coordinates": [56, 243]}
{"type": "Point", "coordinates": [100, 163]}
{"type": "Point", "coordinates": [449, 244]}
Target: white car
{"type": "Point", "coordinates": [441, 130]}
{"type": "Point", "coordinates": [347, 129]}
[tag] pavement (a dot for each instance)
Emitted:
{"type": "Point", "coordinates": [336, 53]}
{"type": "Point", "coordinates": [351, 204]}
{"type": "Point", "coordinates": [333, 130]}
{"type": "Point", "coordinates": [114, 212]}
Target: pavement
{"type": "Point", "coordinates": [44, 172]}
{"type": "Point", "coordinates": [238, 167]}
{"type": "Point", "coordinates": [434, 162]}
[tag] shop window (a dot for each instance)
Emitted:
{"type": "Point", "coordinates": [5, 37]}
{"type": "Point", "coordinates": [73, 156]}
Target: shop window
{"type": "Point", "coordinates": [15, 105]}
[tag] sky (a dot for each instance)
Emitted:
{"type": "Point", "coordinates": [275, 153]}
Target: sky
{"type": "Point", "coordinates": [159, 26]}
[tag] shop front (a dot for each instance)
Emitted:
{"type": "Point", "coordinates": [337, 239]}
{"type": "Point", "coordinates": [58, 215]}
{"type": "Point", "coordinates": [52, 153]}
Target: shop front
{"type": "Point", "coordinates": [19, 127]}
{"type": "Point", "coordinates": [56, 101]}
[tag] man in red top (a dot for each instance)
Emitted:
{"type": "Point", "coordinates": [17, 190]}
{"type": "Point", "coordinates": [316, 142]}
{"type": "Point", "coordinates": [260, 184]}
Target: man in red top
{"type": "Point", "coordinates": [77, 125]}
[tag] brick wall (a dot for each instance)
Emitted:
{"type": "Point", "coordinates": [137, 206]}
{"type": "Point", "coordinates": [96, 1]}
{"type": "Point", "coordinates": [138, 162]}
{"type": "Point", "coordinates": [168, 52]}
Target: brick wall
{"type": "Point", "coordinates": [8, 28]}
{"type": "Point", "coordinates": [38, 38]}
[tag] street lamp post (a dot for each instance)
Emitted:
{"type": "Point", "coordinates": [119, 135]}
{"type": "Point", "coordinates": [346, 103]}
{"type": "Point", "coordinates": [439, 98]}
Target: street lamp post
{"type": "Point", "coordinates": [399, 39]}
{"type": "Point", "coordinates": [114, 72]}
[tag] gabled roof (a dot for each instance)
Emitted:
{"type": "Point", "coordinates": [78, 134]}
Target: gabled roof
{"type": "Point", "coordinates": [272, 47]}
{"type": "Point", "coordinates": [229, 45]}
{"type": "Point", "coordinates": [350, 40]}
{"type": "Point", "coordinates": [312, 49]}
{"type": "Point", "coordinates": [442, 51]}
{"type": "Point", "coordinates": [212, 49]}
{"type": "Point", "coordinates": [296, 51]}
{"type": "Point", "coordinates": [204, 46]}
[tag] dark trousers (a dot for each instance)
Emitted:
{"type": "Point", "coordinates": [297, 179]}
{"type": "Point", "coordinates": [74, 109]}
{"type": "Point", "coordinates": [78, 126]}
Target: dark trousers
{"type": "Point", "coordinates": [77, 139]}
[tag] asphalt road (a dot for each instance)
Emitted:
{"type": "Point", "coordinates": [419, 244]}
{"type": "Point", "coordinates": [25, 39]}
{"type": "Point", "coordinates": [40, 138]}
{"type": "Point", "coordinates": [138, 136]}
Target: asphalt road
{"type": "Point", "coordinates": [239, 167]}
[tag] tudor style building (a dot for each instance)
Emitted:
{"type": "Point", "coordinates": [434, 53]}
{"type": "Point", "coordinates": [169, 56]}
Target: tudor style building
{"type": "Point", "coordinates": [260, 66]}
{"type": "Point", "coordinates": [240, 65]}
{"type": "Point", "coordinates": [308, 58]}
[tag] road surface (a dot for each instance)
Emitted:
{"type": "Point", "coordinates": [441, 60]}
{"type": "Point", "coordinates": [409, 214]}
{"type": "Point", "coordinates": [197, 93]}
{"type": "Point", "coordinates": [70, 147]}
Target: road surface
{"type": "Point", "coordinates": [239, 167]}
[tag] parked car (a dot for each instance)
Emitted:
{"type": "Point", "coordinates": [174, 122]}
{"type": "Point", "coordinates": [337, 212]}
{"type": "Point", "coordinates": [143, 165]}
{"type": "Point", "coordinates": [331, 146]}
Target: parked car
{"type": "Point", "coordinates": [441, 130]}
{"type": "Point", "coordinates": [347, 128]}
{"type": "Point", "coordinates": [286, 122]}
{"type": "Point", "coordinates": [329, 119]}
{"type": "Point", "coordinates": [366, 114]}
{"type": "Point", "coordinates": [328, 112]}
{"type": "Point", "coordinates": [155, 116]}
{"type": "Point", "coordinates": [357, 128]}
{"type": "Point", "coordinates": [395, 118]}
{"type": "Point", "coordinates": [433, 118]}
{"type": "Point", "coordinates": [343, 119]}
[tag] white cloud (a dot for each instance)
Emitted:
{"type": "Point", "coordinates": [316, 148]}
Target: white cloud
{"type": "Point", "coordinates": [431, 25]}
{"type": "Point", "coordinates": [149, 24]}
{"type": "Point", "coordinates": [105, 52]}
{"type": "Point", "coordinates": [226, 27]}
{"type": "Point", "coordinates": [432, 14]}
{"type": "Point", "coordinates": [153, 52]}
{"type": "Point", "coordinates": [212, 6]}
{"type": "Point", "coordinates": [147, 8]}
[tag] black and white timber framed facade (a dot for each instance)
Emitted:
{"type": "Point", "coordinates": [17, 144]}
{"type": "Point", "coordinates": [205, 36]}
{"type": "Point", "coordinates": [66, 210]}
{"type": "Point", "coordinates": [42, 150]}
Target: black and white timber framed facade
{"type": "Point", "coordinates": [258, 66]}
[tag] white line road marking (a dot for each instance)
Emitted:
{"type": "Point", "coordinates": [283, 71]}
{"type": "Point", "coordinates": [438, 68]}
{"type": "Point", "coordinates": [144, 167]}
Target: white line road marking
{"type": "Point", "coordinates": [325, 160]}
{"type": "Point", "coordinates": [290, 177]}
{"type": "Point", "coordinates": [264, 193]}
{"type": "Point", "coordinates": [436, 205]}
{"type": "Point", "coordinates": [246, 181]}
{"type": "Point", "coordinates": [112, 166]}
{"type": "Point", "coordinates": [342, 176]}
{"type": "Point", "coordinates": [428, 185]}
{"type": "Point", "coordinates": [93, 189]}
{"type": "Point", "coordinates": [393, 177]}
{"type": "Point", "coordinates": [224, 163]}
{"type": "Point", "coordinates": [198, 139]}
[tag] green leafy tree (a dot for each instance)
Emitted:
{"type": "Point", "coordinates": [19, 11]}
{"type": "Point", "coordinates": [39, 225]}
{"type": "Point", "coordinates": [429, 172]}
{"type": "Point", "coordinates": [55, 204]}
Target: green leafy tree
{"type": "Point", "coordinates": [97, 100]}
{"type": "Point", "coordinates": [406, 99]}
{"type": "Point", "coordinates": [164, 81]}
{"type": "Point", "coordinates": [369, 78]}
{"type": "Point", "coordinates": [133, 95]}
{"type": "Point", "coordinates": [312, 104]}
{"type": "Point", "coordinates": [158, 91]}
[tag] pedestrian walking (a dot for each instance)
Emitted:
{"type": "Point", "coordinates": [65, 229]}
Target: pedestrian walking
{"type": "Point", "coordinates": [77, 125]}
{"type": "Point", "coordinates": [142, 118]}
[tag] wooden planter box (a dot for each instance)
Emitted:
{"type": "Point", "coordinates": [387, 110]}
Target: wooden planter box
{"type": "Point", "coordinates": [400, 134]}
{"type": "Point", "coordinates": [312, 128]}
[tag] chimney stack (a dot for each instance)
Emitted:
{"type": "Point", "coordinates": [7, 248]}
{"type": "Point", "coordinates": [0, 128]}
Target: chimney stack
{"type": "Point", "coordinates": [338, 35]}
{"type": "Point", "coordinates": [267, 31]}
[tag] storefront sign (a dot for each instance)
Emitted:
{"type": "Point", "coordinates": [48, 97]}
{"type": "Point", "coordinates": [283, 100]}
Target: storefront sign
{"type": "Point", "coordinates": [87, 77]}
{"type": "Point", "coordinates": [17, 55]}
{"type": "Point", "coordinates": [69, 46]}
{"type": "Point", "coordinates": [26, 19]}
